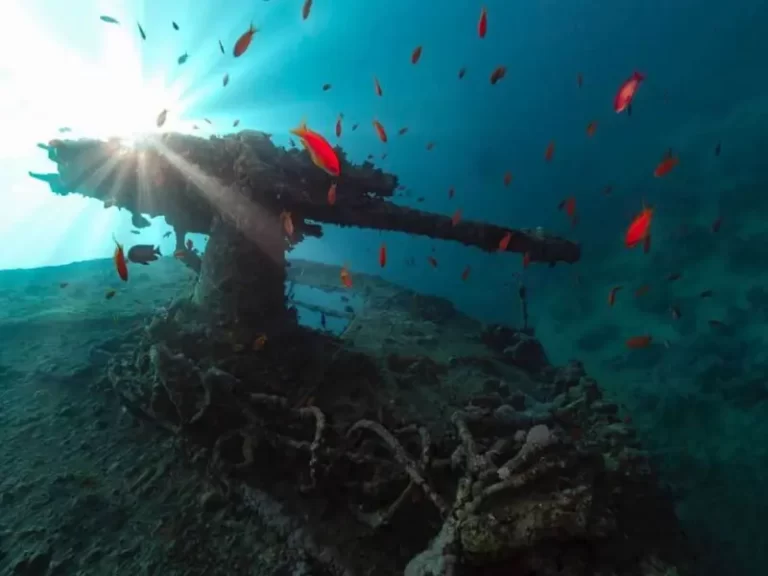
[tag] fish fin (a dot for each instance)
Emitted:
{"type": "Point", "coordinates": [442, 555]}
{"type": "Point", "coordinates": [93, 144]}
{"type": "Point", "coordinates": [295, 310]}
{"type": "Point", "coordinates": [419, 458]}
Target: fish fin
{"type": "Point", "coordinates": [143, 263]}
{"type": "Point", "coordinates": [157, 251]}
{"type": "Point", "coordinates": [301, 129]}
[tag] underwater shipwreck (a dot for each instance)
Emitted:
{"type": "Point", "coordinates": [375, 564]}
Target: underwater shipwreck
{"type": "Point", "coordinates": [369, 457]}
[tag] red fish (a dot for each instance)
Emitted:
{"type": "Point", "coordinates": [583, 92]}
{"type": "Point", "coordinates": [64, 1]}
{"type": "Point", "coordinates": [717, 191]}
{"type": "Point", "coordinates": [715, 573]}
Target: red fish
{"type": "Point", "coordinates": [382, 134]}
{"type": "Point", "coordinates": [346, 279]}
{"type": "Point", "coordinates": [456, 218]}
{"type": "Point", "coordinates": [637, 342]}
{"type": "Point", "coordinates": [383, 255]}
{"type": "Point", "coordinates": [320, 151]}
{"type": "Point", "coordinates": [415, 55]}
{"type": "Point", "coordinates": [627, 92]}
{"type": "Point", "coordinates": [507, 178]}
{"type": "Point", "coordinates": [526, 259]}
{"type": "Point", "coordinates": [498, 74]}
{"type": "Point", "coordinates": [332, 194]}
{"type": "Point", "coordinates": [244, 41]}
{"type": "Point", "coordinates": [666, 165]}
{"type": "Point", "coordinates": [612, 295]}
{"type": "Point", "coordinates": [377, 86]}
{"type": "Point", "coordinates": [550, 151]}
{"type": "Point", "coordinates": [482, 24]}
{"type": "Point", "coordinates": [639, 228]}
{"type": "Point", "coordinates": [338, 125]}
{"type": "Point", "coordinates": [119, 258]}
{"type": "Point", "coordinates": [465, 274]}
{"type": "Point", "coordinates": [569, 206]}
{"type": "Point", "coordinates": [504, 242]}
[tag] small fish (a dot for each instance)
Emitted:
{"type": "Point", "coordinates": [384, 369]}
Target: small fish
{"type": "Point", "coordinates": [456, 218]}
{"type": "Point", "coordinates": [384, 156]}
{"type": "Point", "coordinates": [183, 58]}
{"type": "Point", "coordinates": [338, 125]}
{"type": "Point", "coordinates": [716, 225]}
{"type": "Point", "coordinates": [63, 284]}
{"type": "Point", "coordinates": [167, 234]}
{"type": "Point", "coordinates": [306, 9]}
{"type": "Point", "coordinates": [221, 47]}
{"type": "Point", "coordinates": [383, 255]}
{"type": "Point", "coordinates": [674, 276]}
{"type": "Point", "coordinates": [507, 178]}
{"type": "Point", "coordinates": [607, 190]}
{"type": "Point", "coordinates": [591, 128]}
{"type": "Point", "coordinates": [259, 343]}
{"type": "Point", "coordinates": [291, 142]}
{"type": "Point", "coordinates": [346, 279]}
{"type": "Point", "coordinates": [717, 149]}
{"type": "Point", "coordinates": [143, 253]}
{"type": "Point", "coordinates": [119, 259]}
{"type": "Point", "coordinates": [236, 123]}
{"type": "Point", "coordinates": [462, 73]}
{"type": "Point", "coordinates": [161, 118]}
{"type": "Point", "coordinates": [377, 87]}
{"type": "Point", "coordinates": [675, 312]}
{"type": "Point", "coordinates": [639, 228]}
{"type": "Point", "coordinates": [382, 134]}
{"type": "Point", "coordinates": [498, 74]}
{"type": "Point", "coordinates": [569, 206]}
{"type": "Point", "coordinates": [430, 145]}
{"type": "Point", "coordinates": [244, 41]}
{"type": "Point", "coordinates": [626, 93]}
{"type": "Point", "coordinates": [707, 294]}
{"type": "Point", "coordinates": [354, 127]}
{"type": "Point", "coordinates": [642, 290]}
{"type": "Point", "coordinates": [225, 80]}
{"type": "Point", "coordinates": [504, 242]}
{"type": "Point", "coordinates": [526, 259]}
{"type": "Point", "coordinates": [320, 151]}
{"type": "Point", "coordinates": [327, 87]}
{"type": "Point", "coordinates": [323, 321]}
{"type": "Point", "coordinates": [141, 31]}
{"type": "Point", "coordinates": [451, 192]}
{"type": "Point", "coordinates": [207, 121]}
{"type": "Point", "coordinates": [716, 323]}
{"type": "Point", "coordinates": [109, 19]}
{"type": "Point", "coordinates": [612, 295]}
{"type": "Point", "coordinates": [666, 165]}
{"type": "Point", "coordinates": [402, 131]}
{"type": "Point", "coordinates": [579, 79]}
{"type": "Point", "coordinates": [109, 294]}
{"type": "Point", "coordinates": [637, 342]}
{"type": "Point", "coordinates": [285, 218]}
{"type": "Point", "coordinates": [482, 23]}
{"type": "Point", "coordinates": [135, 232]}
{"type": "Point", "coordinates": [175, 26]}
{"type": "Point", "coordinates": [432, 261]}
{"type": "Point", "coordinates": [415, 55]}
{"type": "Point", "coordinates": [549, 152]}
{"type": "Point", "coordinates": [465, 273]}
{"type": "Point", "coordinates": [332, 194]}
{"type": "Point", "coordinates": [647, 244]}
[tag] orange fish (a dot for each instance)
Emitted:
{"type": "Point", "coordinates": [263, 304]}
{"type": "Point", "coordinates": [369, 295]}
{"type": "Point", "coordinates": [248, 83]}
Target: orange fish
{"type": "Point", "coordinates": [383, 255]}
{"type": "Point", "coordinates": [504, 242]}
{"type": "Point", "coordinates": [451, 192]}
{"type": "Point", "coordinates": [550, 151]}
{"type": "Point", "coordinates": [642, 290]}
{"type": "Point", "coordinates": [244, 41]}
{"type": "Point", "coordinates": [346, 279]}
{"type": "Point", "coordinates": [507, 178]}
{"type": "Point", "coordinates": [627, 92]}
{"type": "Point", "coordinates": [498, 74]}
{"type": "Point", "coordinates": [305, 9]}
{"type": "Point", "coordinates": [591, 128]}
{"type": "Point", "coordinates": [332, 194]}
{"type": "Point", "coordinates": [416, 54]}
{"type": "Point", "coordinates": [465, 274]}
{"type": "Point", "coordinates": [526, 259]}
{"type": "Point", "coordinates": [456, 218]}
{"type": "Point", "coordinates": [402, 131]}
{"type": "Point", "coordinates": [639, 228]}
{"type": "Point", "coordinates": [462, 72]}
{"type": "Point", "coordinates": [432, 261]}
{"type": "Point", "coordinates": [380, 130]}
{"type": "Point", "coordinates": [338, 125]}
{"type": "Point", "coordinates": [320, 151]}
{"type": "Point", "coordinates": [639, 342]}
{"type": "Point", "coordinates": [285, 218]}
{"type": "Point", "coordinates": [665, 166]}
{"type": "Point", "coordinates": [119, 258]}
{"type": "Point", "coordinates": [482, 24]}
{"type": "Point", "coordinates": [612, 295]}
{"type": "Point", "coordinates": [377, 86]}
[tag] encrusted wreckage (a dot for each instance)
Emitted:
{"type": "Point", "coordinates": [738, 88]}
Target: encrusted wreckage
{"type": "Point", "coordinates": [368, 466]}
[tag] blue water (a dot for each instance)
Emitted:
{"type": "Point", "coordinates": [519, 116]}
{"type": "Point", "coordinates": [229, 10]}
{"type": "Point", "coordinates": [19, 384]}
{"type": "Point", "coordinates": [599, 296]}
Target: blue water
{"type": "Point", "coordinates": [706, 84]}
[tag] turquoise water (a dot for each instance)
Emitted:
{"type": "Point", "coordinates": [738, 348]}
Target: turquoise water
{"type": "Point", "coordinates": [698, 394]}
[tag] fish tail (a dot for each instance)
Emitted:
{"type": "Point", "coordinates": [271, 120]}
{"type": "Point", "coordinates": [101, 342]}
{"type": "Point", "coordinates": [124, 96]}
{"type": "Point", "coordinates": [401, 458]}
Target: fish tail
{"type": "Point", "coordinates": [638, 76]}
